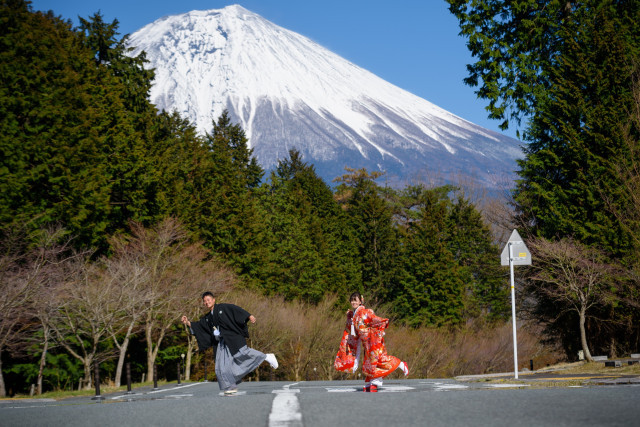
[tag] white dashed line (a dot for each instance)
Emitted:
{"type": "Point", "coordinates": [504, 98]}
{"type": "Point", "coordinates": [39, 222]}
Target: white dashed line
{"type": "Point", "coordinates": [285, 409]}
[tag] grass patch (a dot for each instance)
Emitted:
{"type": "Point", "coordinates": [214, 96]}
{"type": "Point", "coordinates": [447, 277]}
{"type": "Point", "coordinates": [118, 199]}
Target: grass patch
{"type": "Point", "coordinates": [577, 368]}
{"type": "Point", "coordinates": [104, 389]}
{"type": "Point", "coordinates": [599, 368]}
{"type": "Point", "coordinates": [550, 384]}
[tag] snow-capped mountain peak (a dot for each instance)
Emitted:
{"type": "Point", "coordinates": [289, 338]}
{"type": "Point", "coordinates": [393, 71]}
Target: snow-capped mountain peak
{"type": "Point", "coordinates": [287, 91]}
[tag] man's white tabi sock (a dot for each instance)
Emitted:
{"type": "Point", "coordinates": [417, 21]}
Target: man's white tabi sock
{"type": "Point", "coordinates": [271, 359]}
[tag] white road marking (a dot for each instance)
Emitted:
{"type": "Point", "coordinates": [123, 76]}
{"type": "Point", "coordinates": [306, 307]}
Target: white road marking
{"type": "Point", "coordinates": [173, 388]}
{"type": "Point", "coordinates": [125, 396]}
{"type": "Point", "coordinates": [285, 409]}
{"type": "Point", "coordinates": [442, 387]}
{"type": "Point", "coordinates": [341, 389]}
{"type": "Point", "coordinates": [394, 389]}
{"type": "Point", "coordinates": [237, 393]}
{"type": "Point", "coordinates": [383, 389]}
{"type": "Point", "coordinates": [506, 385]}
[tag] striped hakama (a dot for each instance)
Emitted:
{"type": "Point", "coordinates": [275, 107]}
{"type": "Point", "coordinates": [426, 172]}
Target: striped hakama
{"type": "Point", "coordinates": [230, 369]}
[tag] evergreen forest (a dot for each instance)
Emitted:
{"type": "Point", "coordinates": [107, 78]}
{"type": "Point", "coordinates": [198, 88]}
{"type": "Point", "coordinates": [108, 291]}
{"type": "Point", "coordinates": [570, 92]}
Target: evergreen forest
{"type": "Point", "coordinates": [115, 217]}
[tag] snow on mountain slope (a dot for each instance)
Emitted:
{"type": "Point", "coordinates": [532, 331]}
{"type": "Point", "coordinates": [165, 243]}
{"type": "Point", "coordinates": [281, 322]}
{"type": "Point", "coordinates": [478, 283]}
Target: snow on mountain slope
{"type": "Point", "coordinates": [287, 91]}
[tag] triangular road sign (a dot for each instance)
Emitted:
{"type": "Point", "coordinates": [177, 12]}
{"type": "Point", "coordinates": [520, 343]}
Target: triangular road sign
{"type": "Point", "coordinates": [521, 254]}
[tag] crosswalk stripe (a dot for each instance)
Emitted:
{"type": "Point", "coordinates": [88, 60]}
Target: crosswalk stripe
{"type": "Point", "coordinates": [383, 389]}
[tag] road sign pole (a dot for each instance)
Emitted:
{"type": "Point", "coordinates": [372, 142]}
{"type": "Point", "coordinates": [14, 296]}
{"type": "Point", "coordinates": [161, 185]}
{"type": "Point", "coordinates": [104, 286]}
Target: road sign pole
{"type": "Point", "coordinates": [513, 313]}
{"type": "Point", "coordinates": [515, 245]}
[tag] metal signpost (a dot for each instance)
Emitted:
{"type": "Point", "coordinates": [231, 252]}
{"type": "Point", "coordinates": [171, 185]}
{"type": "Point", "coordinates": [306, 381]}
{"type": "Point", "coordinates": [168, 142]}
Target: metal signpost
{"type": "Point", "coordinates": [515, 253]}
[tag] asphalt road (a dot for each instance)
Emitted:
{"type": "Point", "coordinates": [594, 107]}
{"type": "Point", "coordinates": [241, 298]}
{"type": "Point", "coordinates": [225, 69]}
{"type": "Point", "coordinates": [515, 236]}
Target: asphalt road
{"type": "Point", "coordinates": [415, 402]}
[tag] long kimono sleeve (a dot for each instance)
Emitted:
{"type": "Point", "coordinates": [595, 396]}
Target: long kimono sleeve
{"type": "Point", "coordinates": [347, 357]}
{"type": "Point", "coordinates": [203, 335]}
{"type": "Point", "coordinates": [377, 363]}
{"type": "Point", "coordinates": [373, 321]}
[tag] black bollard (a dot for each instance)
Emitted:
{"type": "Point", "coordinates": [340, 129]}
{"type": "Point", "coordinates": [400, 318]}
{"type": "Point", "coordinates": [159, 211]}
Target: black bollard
{"type": "Point", "coordinates": [205, 366]}
{"type": "Point", "coordinates": [531, 364]}
{"type": "Point", "coordinates": [96, 381]}
{"type": "Point", "coordinates": [155, 377]}
{"type": "Point", "coordinates": [128, 367]}
{"type": "Point", "coordinates": [179, 373]}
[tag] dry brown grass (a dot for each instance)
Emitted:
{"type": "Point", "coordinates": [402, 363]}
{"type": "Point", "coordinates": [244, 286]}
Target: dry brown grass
{"type": "Point", "coordinates": [470, 350]}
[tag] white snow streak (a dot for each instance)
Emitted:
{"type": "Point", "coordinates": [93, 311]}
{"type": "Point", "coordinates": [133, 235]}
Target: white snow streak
{"type": "Point", "coordinates": [203, 58]}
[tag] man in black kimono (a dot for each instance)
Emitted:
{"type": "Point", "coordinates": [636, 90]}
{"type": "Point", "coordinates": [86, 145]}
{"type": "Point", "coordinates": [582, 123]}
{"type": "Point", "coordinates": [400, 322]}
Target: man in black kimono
{"type": "Point", "coordinates": [225, 328]}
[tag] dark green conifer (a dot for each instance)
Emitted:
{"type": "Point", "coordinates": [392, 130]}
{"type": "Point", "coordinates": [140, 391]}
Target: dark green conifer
{"type": "Point", "coordinates": [311, 251]}
{"type": "Point", "coordinates": [370, 217]}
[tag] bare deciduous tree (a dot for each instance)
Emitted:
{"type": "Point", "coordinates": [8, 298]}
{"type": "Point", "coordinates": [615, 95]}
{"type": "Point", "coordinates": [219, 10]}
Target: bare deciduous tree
{"type": "Point", "coordinates": [25, 272]}
{"type": "Point", "coordinates": [124, 271]}
{"type": "Point", "coordinates": [88, 304]}
{"type": "Point", "coordinates": [16, 286]}
{"type": "Point", "coordinates": [177, 270]}
{"type": "Point", "coordinates": [571, 274]}
{"type": "Point", "coordinates": [43, 303]}
{"type": "Point", "coordinates": [192, 311]}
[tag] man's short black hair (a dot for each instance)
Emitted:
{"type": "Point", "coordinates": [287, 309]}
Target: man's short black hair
{"type": "Point", "coordinates": [207, 293]}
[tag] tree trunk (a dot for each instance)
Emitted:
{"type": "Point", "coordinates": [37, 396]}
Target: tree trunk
{"type": "Point", "coordinates": [190, 346]}
{"type": "Point", "coordinates": [151, 359]}
{"type": "Point", "coordinates": [152, 352]}
{"type": "Point", "coordinates": [583, 336]}
{"type": "Point", "coordinates": [121, 358]}
{"type": "Point", "coordinates": [43, 360]}
{"type": "Point", "coordinates": [612, 348]}
{"type": "Point", "coordinates": [3, 391]}
{"type": "Point", "coordinates": [87, 374]}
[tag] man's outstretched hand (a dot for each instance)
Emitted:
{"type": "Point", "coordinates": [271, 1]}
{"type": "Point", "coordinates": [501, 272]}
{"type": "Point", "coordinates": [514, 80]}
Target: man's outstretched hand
{"type": "Point", "coordinates": [185, 321]}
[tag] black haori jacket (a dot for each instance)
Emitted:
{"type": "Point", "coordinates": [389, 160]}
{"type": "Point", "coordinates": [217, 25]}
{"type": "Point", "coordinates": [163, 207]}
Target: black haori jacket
{"type": "Point", "coordinates": [230, 320]}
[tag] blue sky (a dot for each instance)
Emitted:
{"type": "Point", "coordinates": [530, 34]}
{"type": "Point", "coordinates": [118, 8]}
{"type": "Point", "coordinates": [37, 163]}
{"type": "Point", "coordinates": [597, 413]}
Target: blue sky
{"type": "Point", "coordinates": [413, 44]}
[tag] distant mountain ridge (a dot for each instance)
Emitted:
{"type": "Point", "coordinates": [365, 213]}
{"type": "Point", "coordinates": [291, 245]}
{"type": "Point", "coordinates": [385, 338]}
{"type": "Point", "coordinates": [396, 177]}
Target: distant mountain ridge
{"type": "Point", "coordinates": [287, 91]}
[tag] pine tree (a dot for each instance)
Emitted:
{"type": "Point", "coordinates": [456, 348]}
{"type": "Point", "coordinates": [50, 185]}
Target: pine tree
{"type": "Point", "coordinates": [311, 251]}
{"type": "Point", "coordinates": [114, 53]}
{"type": "Point", "coordinates": [568, 67]}
{"type": "Point", "coordinates": [431, 282]}
{"type": "Point", "coordinates": [571, 187]}
{"type": "Point", "coordinates": [53, 126]}
{"type": "Point", "coordinates": [231, 222]}
{"type": "Point", "coordinates": [371, 218]}
{"type": "Point", "coordinates": [576, 134]}
{"type": "Point", "coordinates": [471, 243]}
{"type": "Point", "coordinates": [76, 128]}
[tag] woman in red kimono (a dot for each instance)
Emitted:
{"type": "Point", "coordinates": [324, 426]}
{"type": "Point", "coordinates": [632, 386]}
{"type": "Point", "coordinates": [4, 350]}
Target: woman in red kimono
{"type": "Point", "coordinates": [365, 329]}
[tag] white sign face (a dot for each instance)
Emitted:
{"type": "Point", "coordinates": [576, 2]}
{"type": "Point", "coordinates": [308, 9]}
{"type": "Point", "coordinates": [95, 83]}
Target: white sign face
{"type": "Point", "coordinates": [521, 254]}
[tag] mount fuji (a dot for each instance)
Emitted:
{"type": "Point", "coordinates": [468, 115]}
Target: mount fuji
{"type": "Point", "coordinates": [286, 91]}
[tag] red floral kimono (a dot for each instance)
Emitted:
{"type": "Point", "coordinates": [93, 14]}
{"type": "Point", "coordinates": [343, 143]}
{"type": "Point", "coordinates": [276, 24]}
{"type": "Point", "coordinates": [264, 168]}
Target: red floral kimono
{"type": "Point", "coordinates": [364, 327]}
